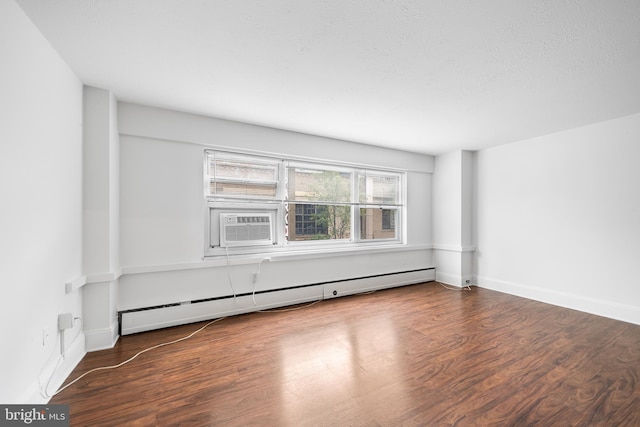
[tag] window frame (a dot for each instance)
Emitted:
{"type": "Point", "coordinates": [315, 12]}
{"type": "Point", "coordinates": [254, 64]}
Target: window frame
{"type": "Point", "coordinates": [280, 203]}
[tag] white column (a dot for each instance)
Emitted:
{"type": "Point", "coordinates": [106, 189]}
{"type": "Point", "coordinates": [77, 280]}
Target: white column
{"type": "Point", "coordinates": [100, 217]}
{"type": "Point", "coordinates": [453, 218]}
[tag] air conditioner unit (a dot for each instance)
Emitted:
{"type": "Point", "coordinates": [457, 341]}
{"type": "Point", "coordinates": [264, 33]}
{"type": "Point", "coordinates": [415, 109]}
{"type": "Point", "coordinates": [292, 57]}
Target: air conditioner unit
{"type": "Point", "coordinates": [246, 229]}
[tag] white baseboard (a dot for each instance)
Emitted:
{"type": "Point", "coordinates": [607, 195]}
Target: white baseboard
{"type": "Point", "coordinates": [101, 339]}
{"type": "Point", "coordinates": [55, 373]}
{"type": "Point", "coordinates": [449, 279]}
{"type": "Point", "coordinates": [149, 319]}
{"type": "Point", "coordinates": [612, 310]}
{"type": "Point", "coordinates": [164, 317]}
{"type": "Point", "coordinates": [350, 287]}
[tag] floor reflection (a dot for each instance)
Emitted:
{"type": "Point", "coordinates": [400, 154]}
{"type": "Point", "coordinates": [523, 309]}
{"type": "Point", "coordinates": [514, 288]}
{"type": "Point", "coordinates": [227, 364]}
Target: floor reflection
{"type": "Point", "coordinates": [339, 367]}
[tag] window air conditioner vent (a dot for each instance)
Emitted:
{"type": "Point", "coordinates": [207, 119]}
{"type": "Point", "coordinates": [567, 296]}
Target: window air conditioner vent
{"type": "Point", "coordinates": [246, 229]}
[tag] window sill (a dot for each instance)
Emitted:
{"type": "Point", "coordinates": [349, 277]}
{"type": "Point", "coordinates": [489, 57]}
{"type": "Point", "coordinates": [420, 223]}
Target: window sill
{"type": "Point", "coordinates": [290, 255]}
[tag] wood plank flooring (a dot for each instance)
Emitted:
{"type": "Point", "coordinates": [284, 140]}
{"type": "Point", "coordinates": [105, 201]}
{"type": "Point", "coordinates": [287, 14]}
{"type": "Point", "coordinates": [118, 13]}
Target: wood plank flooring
{"type": "Point", "coordinates": [418, 355]}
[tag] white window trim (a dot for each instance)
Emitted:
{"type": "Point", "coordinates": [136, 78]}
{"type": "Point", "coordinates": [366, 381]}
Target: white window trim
{"type": "Point", "coordinates": [215, 203]}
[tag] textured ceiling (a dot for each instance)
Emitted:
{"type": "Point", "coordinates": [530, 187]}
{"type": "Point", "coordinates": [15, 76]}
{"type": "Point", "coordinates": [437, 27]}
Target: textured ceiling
{"type": "Point", "coordinates": [419, 75]}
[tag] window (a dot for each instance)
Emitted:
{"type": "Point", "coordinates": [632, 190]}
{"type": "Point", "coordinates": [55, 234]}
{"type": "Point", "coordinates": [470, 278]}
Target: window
{"type": "Point", "coordinates": [388, 219]}
{"type": "Point", "coordinates": [330, 192]}
{"type": "Point", "coordinates": [377, 223]}
{"type": "Point", "coordinates": [311, 202]}
{"type": "Point", "coordinates": [310, 223]}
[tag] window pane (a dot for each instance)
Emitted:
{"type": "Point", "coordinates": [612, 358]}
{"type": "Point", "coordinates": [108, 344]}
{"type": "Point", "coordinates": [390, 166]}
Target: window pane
{"type": "Point", "coordinates": [315, 185]}
{"type": "Point", "coordinates": [243, 189]}
{"type": "Point", "coordinates": [242, 177]}
{"type": "Point", "coordinates": [383, 189]}
{"type": "Point", "coordinates": [245, 170]}
{"type": "Point", "coordinates": [378, 223]}
{"type": "Point", "coordinates": [319, 222]}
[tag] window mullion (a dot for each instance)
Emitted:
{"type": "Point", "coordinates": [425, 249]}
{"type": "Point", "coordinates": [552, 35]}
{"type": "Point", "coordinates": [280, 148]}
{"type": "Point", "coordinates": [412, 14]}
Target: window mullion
{"type": "Point", "coordinates": [355, 210]}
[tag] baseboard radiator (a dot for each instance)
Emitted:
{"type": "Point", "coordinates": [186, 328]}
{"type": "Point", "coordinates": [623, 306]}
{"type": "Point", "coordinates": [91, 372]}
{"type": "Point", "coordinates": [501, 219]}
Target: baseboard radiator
{"type": "Point", "coordinates": [179, 313]}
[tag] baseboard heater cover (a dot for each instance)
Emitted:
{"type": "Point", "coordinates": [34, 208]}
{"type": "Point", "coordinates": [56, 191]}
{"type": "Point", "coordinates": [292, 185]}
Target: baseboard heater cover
{"type": "Point", "coordinates": [167, 315]}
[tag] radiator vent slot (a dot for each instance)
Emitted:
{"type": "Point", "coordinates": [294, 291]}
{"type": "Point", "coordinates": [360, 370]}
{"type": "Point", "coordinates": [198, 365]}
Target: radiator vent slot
{"type": "Point", "coordinates": [246, 229]}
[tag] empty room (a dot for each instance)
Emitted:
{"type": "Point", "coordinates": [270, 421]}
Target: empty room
{"type": "Point", "coordinates": [320, 213]}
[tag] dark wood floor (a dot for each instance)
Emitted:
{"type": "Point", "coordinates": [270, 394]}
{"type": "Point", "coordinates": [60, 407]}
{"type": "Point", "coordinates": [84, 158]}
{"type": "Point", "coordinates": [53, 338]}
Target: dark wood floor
{"type": "Point", "coordinates": [417, 355]}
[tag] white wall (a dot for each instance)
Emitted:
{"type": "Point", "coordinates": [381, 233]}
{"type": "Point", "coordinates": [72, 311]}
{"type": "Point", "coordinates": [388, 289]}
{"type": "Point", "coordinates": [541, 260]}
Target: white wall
{"type": "Point", "coordinates": [447, 200]}
{"type": "Point", "coordinates": [558, 218]}
{"type": "Point", "coordinates": [162, 218]}
{"type": "Point", "coordinates": [41, 215]}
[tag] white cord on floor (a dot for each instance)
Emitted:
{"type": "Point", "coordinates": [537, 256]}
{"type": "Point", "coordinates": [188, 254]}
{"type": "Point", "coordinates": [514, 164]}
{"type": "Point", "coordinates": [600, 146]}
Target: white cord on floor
{"type": "Point", "coordinates": [276, 310]}
{"type": "Point", "coordinates": [138, 354]}
{"type": "Point", "coordinates": [168, 343]}
{"type": "Point", "coordinates": [465, 288]}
